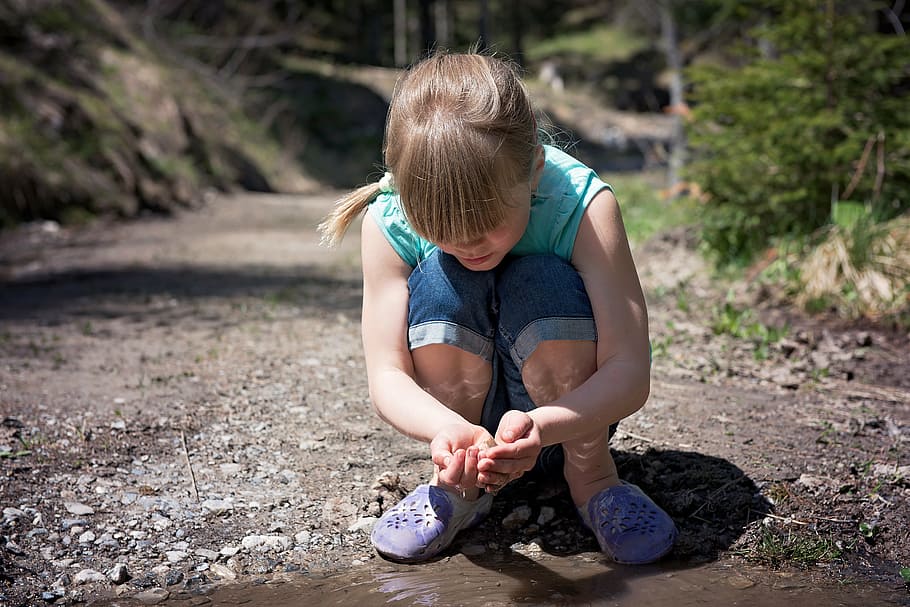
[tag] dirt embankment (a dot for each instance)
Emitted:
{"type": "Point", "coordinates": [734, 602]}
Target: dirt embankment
{"type": "Point", "coordinates": [184, 404]}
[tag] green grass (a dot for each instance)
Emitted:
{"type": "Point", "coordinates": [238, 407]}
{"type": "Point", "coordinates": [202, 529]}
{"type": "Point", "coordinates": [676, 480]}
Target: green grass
{"type": "Point", "coordinates": [778, 548]}
{"type": "Point", "coordinates": [602, 44]}
{"type": "Point", "coordinates": [742, 323]}
{"type": "Point", "coordinates": [644, 211]}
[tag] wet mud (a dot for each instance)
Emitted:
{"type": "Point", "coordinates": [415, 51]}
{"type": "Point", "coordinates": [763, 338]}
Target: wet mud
{"type": "Point", "coordinates": [518, 580]}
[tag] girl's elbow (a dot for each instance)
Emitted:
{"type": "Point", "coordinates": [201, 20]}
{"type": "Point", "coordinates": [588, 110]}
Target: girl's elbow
{"type": "Point", "coordinates": [641, 391]}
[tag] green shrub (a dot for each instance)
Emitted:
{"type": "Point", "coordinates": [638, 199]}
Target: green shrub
{"type": "Point", "coordinates": [817, 116]}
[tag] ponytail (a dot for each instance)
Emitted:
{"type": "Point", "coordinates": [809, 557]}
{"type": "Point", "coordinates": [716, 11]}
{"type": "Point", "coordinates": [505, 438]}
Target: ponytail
{"type": "Point", "coordinates": [346, 210]}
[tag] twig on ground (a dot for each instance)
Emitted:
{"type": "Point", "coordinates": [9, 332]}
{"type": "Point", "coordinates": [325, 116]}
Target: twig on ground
{"type": "Point", "coordinates": [189, 466]}
{"type": "Point", "coordinates": [622, 433]}
{"type": "Point", "coordinates": [713, 495]}
{"type": "Point", "coordinates": [787, 519]}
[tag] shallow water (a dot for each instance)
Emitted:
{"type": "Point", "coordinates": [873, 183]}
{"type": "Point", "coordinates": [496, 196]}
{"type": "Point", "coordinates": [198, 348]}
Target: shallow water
{"type": "Point", "coordinates": [578, 580]}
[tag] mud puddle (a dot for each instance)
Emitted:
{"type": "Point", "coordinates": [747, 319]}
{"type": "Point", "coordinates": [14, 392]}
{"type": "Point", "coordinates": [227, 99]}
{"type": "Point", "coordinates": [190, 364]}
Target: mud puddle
{"type": "Point", "coordinates": [578, 580]}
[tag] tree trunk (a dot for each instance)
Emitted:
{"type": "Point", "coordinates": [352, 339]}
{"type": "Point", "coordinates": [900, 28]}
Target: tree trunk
{"type": "Point", "coordinates": [483, 25]}
{"type": "Point", "coordinates": [443, 23]}
{"type": "Point", "coordinates": [427, 26]}
{"type": "Point", "coordinates": [517, 31]}
{"type": "Point", "coordinates": [677, 103]}
{"type": "Point", "coordinates": [401, 33]}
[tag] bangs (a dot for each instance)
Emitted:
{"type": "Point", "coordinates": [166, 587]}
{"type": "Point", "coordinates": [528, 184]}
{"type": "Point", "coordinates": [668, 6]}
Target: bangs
{"type": "Point", "coordinates": [455, 190]}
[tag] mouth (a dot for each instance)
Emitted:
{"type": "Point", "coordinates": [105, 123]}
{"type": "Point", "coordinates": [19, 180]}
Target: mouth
{"type": "Point", "coordinates": [476, 261]}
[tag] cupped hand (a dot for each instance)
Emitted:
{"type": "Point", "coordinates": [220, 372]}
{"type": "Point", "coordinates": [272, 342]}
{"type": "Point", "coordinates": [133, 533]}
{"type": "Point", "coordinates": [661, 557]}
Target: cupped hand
{"type": "Point", "coordinates": [516, 450]}
{"type": "Point", "coordinates": [455, 451]}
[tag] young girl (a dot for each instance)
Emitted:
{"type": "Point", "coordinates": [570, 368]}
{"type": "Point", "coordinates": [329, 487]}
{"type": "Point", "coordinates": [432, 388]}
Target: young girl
{"type": "Point", "coordinates": [502, 312]}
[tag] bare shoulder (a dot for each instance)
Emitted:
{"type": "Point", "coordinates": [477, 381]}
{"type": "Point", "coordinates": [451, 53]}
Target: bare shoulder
{"type": "Point", "coordinates": [601, 234]}
{"type": "Point", "coordinates": [379, 260]}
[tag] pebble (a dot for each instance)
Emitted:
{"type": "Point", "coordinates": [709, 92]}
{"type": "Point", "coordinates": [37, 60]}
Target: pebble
{"type": "Point", "coordinates": [222, 571]}
{"type": "Point", "coordinates": [517, 517]}
{"type": "Point", "coordinates": [364, 523]}
{"type": "Point", "coordinates": [209, 555]}
{"type": "Point", "coordinates": [173, 577]}
{"type": "Point", "coordinates": [119, 573]}
{"type": "Point", "coordinates": [302, 538]}
{"type": "Point", "coordinates": [89, 575]}
{"type": "Point", "coordinates": [547, 513]}
{"type": "Point", "coordinates": [12, 514]}
{"type": "Point", "coordinates": [264, 543]}
{"type": "Point", "coordinates": [229, 551]}
{"type": "Point", "coordinates": [217, 506]}
{"type": "Point", "coordinates": [78, 509]}
{"type": "Point", "coordinates": [152, 596]}
{"type": "Point", "coordinates": [87, 538]}
{"type": "Point", "coordinates": [175, 556]}
{"type": "Point", "coordinates": [69, 523]}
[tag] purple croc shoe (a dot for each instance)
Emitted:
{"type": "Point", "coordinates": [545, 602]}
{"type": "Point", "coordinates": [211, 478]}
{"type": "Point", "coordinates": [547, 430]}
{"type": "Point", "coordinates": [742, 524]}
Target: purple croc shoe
{"type": "Point", "coordinates": [630, 528]}
{"type": "Point", "coordinates": [425, 522]}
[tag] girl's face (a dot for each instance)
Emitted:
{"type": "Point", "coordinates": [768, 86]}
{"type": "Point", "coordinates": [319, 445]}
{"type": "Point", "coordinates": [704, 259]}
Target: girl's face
{"type": "Point", "coordinates": [486, 252]}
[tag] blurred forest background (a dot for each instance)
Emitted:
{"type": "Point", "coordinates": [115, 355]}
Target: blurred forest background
{"type": "Point", "coordinates": [776, 131]}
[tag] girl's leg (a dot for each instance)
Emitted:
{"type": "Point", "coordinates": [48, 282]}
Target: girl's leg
{"type": "Point", "coordinates": [451, 334]}
{"type": "Point", "coordinates": [551, 340]}
{"type": "Point", "coordinates": [553, 369]}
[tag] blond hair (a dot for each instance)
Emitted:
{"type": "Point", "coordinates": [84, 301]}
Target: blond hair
{"type": "Point", "coordinates": [460, 133]}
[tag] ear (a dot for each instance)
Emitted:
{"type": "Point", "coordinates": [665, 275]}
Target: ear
{"type": "Point", "coordinates": [539, 162]}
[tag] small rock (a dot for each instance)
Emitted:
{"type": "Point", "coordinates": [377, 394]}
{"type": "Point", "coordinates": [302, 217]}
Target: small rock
{"type": "Point", "coordinates": [152, 596]}
{"type": "Point", "coordinates": [531, 549]}
{"type": "Point", "coordinates": [173, 577]}
{"type": "Point", "coordinates": [12, 514]}
{"type": "Point", "coordinates": [517, 517]}
{"type": "Point", "coordinates": [175, 556]}
{"type": "Point", "coordinates": [119, 573]}
{"type": "Point", "coordinates": [264, 543]}
{"type": "Point", "coordinates": [87, 538]}
{"type": "Point", "coordinates": [78, 509]}
{"type": "Point", "coordinates": [217, 506]}
{"type": "Point", "coordinates": [547, 513]}
{"type": "Point", "coordinates": [302, 538]}
{"type": "Point", "coordinates": [222, 571]}
{"type": "Point", "coordinates": [209, 555]}
{"type": "Point", "coordinates": [69, 523]}
{"type": "Point", "coordinates": [229, 551]}
{"type": "Point", "coordinates": [89, 575]}
{"type": "Point", "coordinates": [364, 523]}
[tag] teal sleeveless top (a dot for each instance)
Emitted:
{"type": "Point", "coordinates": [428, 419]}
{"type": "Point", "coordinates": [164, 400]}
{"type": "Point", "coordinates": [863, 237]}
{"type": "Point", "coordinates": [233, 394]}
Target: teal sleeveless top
{"type": "Point", "coordinates": [566, 188]}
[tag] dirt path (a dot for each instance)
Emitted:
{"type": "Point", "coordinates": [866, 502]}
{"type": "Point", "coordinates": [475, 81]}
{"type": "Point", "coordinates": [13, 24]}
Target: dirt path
{"type": "Point", "coordinates": [184, 404]}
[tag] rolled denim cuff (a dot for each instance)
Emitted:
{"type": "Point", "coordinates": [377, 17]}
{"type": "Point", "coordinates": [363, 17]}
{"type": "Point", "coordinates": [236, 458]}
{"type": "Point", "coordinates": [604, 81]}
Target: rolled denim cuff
{"type": "Point", "coordinates": [444, 332]}
{"type": "Point", "coordinates": [546, 329]}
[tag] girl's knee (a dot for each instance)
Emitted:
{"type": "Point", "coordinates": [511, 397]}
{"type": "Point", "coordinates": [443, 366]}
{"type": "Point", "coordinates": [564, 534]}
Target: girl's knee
{"type": "Point", "coordinates": [457, 378]}
{"type": "Point", "coordinates": [557, 367]}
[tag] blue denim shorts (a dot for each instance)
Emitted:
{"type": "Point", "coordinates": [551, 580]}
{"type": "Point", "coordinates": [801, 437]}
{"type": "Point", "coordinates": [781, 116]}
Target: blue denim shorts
{"type": "Point", "coordinates": [501, 315]}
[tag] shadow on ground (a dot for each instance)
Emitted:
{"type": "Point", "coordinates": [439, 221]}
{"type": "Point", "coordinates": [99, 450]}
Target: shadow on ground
{"type": "Point", "coordinates": [711, 500]}
{"type": "Point", "coordinates": [111, 293]}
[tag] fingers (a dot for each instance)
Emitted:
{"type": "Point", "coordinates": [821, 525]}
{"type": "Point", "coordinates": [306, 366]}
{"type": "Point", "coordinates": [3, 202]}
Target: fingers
{"type": "Point", "coordinates": [469, 477]}
{"type": "Point", "coordinates": [460, 469]}
{"type": "Point", "coordinates": [513, 426]}
{"type": "Point", "coordinates": [452, 468]}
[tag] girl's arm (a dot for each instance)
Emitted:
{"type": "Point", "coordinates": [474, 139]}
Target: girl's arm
{"type": "Point", "coordinates": [390, 372]}
{"type": "Point", "coordinates": [621, 384]}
